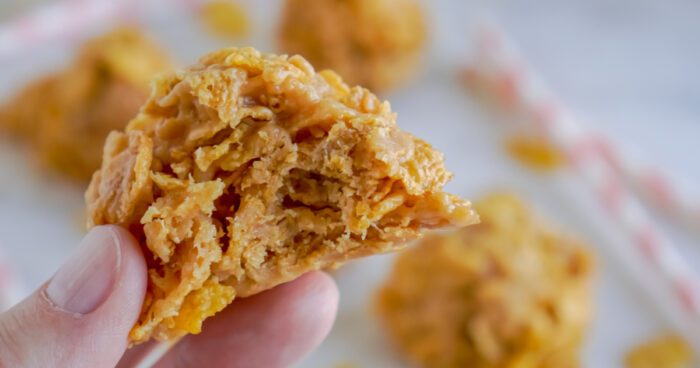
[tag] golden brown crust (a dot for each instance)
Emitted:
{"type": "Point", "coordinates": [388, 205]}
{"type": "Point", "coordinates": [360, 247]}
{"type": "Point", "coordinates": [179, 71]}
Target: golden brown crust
{"type": "Point", "coordinates": [504, 293]}
{"type": "Point", "coordinates": [248, 170]}
{"type": "Point", "coordinates": [67, 116]}
{"type": "Point", "coordinates": [373, 43]}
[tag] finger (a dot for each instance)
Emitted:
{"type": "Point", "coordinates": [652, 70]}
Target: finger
{"type": "Point", "coordinates": [273, 329]}
{"type": "Point", "coordinates": [82, 316]}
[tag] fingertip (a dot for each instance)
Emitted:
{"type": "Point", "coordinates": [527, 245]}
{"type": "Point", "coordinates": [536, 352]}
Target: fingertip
{"type": "Point", "coordinates": [129, 289]}
{"type": "Point", "coordinates": [322, 284]}
{"type": "Point", "coordinates": [88, 306]}
{"type": "Point", "coordinates": [320, 299]}
{"type": "Point", "coordinates": [133, 274]}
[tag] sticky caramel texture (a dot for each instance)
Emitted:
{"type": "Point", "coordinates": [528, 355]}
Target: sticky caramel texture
{"type": "Point", "coordinates": [67, 116]}
{"type": "Point", "coordinates": [667, 351]}
{"type": "Point", "coordinates": [373, 43]}
{"type": "Point", "coordinates": [247, 170]}
{"type": "Point", "coordinates": [507, 292]}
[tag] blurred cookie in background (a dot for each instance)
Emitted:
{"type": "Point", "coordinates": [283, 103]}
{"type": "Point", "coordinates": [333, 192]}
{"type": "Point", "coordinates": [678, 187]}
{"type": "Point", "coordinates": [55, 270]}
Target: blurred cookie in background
{"type": "Point", "coordinates": [67, 116]}
{"type": "Point", "coordinates": [668, 351]}
{"type": "Point", "coordinates": [377, 44]}
{"type": "Point", "coordinates": [508, 292]}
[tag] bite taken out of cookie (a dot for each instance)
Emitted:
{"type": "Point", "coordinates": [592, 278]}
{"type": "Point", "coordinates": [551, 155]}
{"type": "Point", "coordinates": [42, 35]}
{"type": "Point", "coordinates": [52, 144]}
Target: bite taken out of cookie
{"type": "Point", "coordinates": [248, 170]}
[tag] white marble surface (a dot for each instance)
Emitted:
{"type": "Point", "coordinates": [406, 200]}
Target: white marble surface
{"type": "Point", "coordinates": [628, 67]}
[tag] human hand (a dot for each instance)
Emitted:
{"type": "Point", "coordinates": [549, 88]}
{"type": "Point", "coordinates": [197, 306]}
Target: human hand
{"type": "Point", "coordinates": [82, 316]}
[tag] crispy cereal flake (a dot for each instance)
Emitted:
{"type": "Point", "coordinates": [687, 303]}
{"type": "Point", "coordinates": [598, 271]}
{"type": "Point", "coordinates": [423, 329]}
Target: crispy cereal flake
{"type": "Point", "coordinates": [536, 153]}
{"type": "Point", "coordinates": [247, 170]}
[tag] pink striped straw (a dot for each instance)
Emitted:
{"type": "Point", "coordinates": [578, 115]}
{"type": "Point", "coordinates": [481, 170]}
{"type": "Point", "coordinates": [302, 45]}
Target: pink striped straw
{"type": "Point", "coordinates": [68, 19]}
{"type": "Point", "coordinates": [658, 190]}
{"type": "Point", "coordinates": [54, 22]}
{"type": "Point", "coordinates": [501, 75]}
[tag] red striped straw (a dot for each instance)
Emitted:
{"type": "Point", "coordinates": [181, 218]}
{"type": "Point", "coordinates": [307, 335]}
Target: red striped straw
{"type": "Point", "coordinates": [54, 22]}
{"type": "Point", "coordinates": [68, 19]}
{"type": "Point", "coordinates": [658, 190]}
{"type": "Point", "coordinates": [500, 74]}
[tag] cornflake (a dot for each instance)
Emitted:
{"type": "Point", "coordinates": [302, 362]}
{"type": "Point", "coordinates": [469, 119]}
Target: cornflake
{"type": "Point", "coordinates": [247, 170]}
{"type": "Point", "coordinates": [225, 18]}
{"type": "Point", "coordinates": [535, 153]}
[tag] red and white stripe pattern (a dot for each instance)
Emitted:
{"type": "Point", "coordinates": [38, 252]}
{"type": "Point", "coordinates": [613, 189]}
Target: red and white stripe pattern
{"type": "Point", "coordinates": [503, 75]}
{"type": "Point", "coordinates": [498, 73]}
{"type": "Point", "coordinates": [54, 22]}
{"type": "Point", "coordinates": [660, 192]}
{"type": "Point", "coordinates": [69, 19]}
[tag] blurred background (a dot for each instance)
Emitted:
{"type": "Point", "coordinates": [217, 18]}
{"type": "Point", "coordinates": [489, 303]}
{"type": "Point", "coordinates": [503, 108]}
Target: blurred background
{"type": "Point", "coordinates": [625, 71]}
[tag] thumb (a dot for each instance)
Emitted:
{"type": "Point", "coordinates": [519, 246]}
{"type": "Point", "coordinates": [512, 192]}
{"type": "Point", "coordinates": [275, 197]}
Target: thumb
{"type": "Point", "coordinates": [82, 316]}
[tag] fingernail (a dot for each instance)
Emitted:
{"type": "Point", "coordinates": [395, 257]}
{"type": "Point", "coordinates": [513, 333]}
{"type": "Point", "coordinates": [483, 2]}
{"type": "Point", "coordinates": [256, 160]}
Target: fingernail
{"type": "Point", "coordinates": [86, 280]}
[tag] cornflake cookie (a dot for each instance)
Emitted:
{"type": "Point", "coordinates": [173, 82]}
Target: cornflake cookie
{"type": "Point", "coordinates": [68, 115]}
{"type": "Point", "coordinates": [505, 293]}
{"type": "Point", "coordinates": [247, 170]}
{"type": "Point", "coordinates": [373, 43]}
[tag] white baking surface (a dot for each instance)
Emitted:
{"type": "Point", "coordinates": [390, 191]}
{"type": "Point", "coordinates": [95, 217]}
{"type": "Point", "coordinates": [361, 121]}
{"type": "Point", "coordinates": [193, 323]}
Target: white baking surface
{"type": "Point", "coordinates": [630, 67]}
